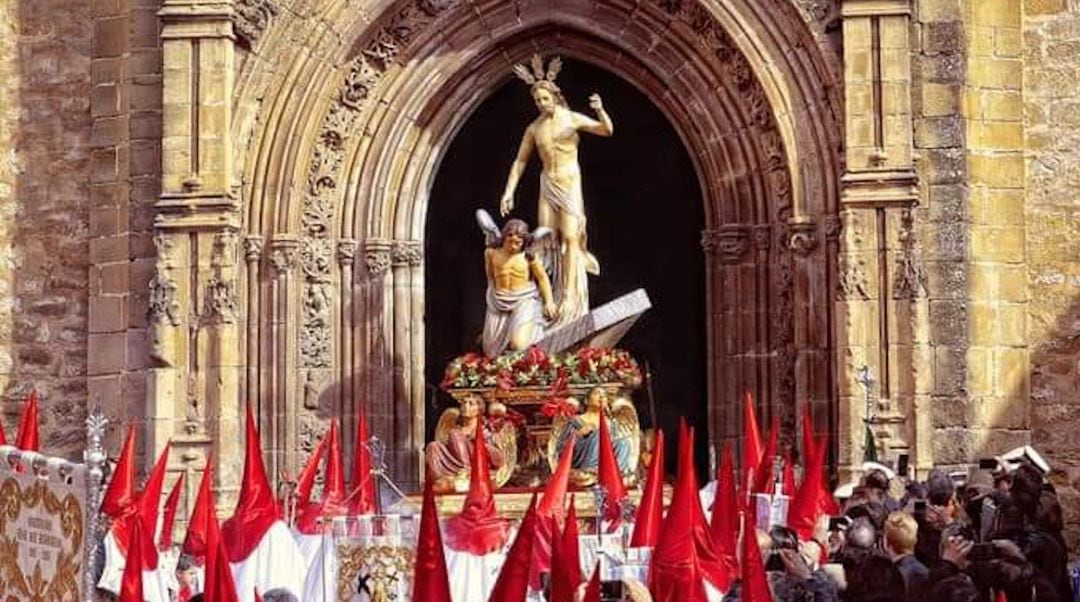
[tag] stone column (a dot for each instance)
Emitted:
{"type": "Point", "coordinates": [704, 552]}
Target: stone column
{"type": "Point", "coordinates": [406, 257]}
{"type": "Point", "coordinates": [197, 219]}
{"type": "Point", "coordinates": [278, 409]}
{"type": "Point", "coordinates": [347, 401]}
{"type": "Point", "coordinates": [879, 188]}
{"type": "Point", "coordinates": [375, 366]}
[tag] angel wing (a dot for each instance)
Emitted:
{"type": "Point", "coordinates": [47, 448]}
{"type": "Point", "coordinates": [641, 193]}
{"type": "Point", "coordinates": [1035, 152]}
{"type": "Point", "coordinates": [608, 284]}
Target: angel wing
{"type": "Point", "coordinates": [505, 438]}
{"type": "Point", "coordinates": [624, 418]}
{"type": "Point", "coordinates": [487, 224]}
{"type": "Point", "coordinates": [446, 423]}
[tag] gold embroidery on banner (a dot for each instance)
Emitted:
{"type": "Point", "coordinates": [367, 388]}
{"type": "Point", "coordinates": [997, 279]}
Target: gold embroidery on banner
{"type": "Point", "coordinates": [64, 586]}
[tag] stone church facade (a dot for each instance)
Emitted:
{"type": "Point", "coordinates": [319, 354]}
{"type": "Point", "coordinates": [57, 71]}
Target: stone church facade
{"type": "Point", "coordinates": [209, 201]}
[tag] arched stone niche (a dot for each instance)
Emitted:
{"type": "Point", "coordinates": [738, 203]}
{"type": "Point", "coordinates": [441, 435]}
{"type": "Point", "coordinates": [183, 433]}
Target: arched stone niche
{"type": "Point", "coordinates": [340, 116]}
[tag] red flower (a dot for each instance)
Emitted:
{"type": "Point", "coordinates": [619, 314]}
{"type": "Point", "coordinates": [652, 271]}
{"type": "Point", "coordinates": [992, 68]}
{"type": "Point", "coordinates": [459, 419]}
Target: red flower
{"type": "Point", "coordinates": [557, 406]}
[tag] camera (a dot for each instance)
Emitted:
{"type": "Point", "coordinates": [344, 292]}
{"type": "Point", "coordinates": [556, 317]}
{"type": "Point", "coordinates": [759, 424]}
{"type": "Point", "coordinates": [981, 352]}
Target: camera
{"type": "Point", "coordinates": [839, 523]}
{"type": "Point", "coordinates": [775, 563]}
{"type": "Point", "coordinates": [612, 591]}
{"type": "Point", "coordinates": [982, 552]}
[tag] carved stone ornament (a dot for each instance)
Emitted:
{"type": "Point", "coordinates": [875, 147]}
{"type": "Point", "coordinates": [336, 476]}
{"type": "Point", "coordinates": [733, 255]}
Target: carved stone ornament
{"type": "Point", "coordinates": [282, 259]}
{"type": "Point", "coordinates": [316, 262]}
{"type": "Point", "coordinates": [253, 248]}
{"type": "Point", "coordinates": [346, 252]}
{"type": "Point", "coordinates": [251, 18]}
{"type": "Point", "coordinates": [833, 227]}
{"type": "Point", "coordinates": [802, 237]}
{"type": "Point", "coordinates": [221, 302]}
{"type": "Point", "coordinates": [224, 248]}
{"type": "Point", "coordinates": [407, 252]}
{"type": "Point", "coordinates": [163, 244]}
{"type": "Point", "coordinates": [162, 306]}
{"type": "Point", "coordinates": [762, 237]}
{"type": "Point", "coordinates": [377, 257]}
{"type": "Point", "coordinates": [819, 13]}
{"type": "Point", "coordinates": [910, 280]}
{"type": "Point", "coordinates": [728, 244]}
{"type": "Point", "coordinates": [853, 283]}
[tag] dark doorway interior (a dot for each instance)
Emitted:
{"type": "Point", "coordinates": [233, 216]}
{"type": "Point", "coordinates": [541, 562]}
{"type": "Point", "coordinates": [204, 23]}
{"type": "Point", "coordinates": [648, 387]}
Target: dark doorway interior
{"type": "Point", "coordinates": [645, 212]}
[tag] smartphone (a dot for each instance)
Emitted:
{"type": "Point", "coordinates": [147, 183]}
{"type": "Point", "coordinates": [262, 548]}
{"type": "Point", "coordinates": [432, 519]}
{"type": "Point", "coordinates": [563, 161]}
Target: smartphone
{"type": "Point", "coordinates": [982, 552]}
{"type": "Point", "coordinates": [775, 563]}
{"type": "Point", "coordinates": [988, 464]}
{"type": "Point", "coordinates": [902, 466]}
{"type": "Point", "coordinates": [839, 523]}
{"type": "Point", "coordinates": [611, 591]}
{"type": "Point", "coordinates": [920, 506]}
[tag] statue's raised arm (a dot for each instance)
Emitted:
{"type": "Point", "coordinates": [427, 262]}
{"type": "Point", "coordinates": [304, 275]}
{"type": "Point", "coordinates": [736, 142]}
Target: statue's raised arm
{"type": "Point", "coordinates": [554, 137]}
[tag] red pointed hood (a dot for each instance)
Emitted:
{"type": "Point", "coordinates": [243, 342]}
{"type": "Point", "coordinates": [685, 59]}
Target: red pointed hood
{"type": "Point", "coordinates": [362, 490]}
{"type": "Point", "coordinates": [550, 513]}
{"type": "Point", "coordinates": [808, 447]}
{"type": "Point", "coordinates": [592, 590]}
{"type": "Point", "coordinates": [219, 585]}
{"type": "Point", "coordinates": [755, 584]}
{"type": "Point", "coordinates": [431, 581]}
{"type": "Point", "coordinates": [513, 582]}
{"type": "Point", "coordinates": [168, 520]}
{"type": "Point", "coordinates": [566, 564]}
{"type": "Point", "coordinates": [752, 447]}
{"type": "Point", "coordinates": [812, 499]}
{"type": "Point", "coordinates": [725, 510]}
{"type": "Point", "coordinates": [306, 482]}
{"type": "Point", "coordinates": [609, 476]}
{"type": "Point", "coordinates": [150, 500]}
{"type": "Point", "coordinates": [195, 544]}
{"type": "Point", "coordinates": [3, 438]}
{"type": "Point", "coordinates": [255, 509]}
{"type": "Point", "coordinates": [131, 589]}
{"type": "Point", "coordinates": [554, 500]}
{"type": "Point", "coordinates": [334, 488]}
{"type": "Point", "coordinates": [685, 553]}
{"type": "Point", "coordinates": [27, 438]}
{"type": "Point", "coordinates": [650, 511]}
{"type": "Point", "coordinates": [333, 496]}
{"type": "Point", "coordinates": [788, 478]}
{"type": "Point", "coordinates": [121, 496]}
{"type": "Point", "coordinates": [764, 479]}
{"type": "Point", "coordinates": [478, 529]}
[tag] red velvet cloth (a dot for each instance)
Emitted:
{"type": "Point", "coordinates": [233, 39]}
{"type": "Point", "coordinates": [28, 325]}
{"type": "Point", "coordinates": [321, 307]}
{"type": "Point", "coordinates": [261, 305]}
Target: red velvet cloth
{"type": "Point", "coordinates": [27, 438]}
{"type": "Point", "coordinates": [131, 589]}
{"type": "Point", "coordinates": [551, 514]}
{"type": "Point", "coordinates": [650, 511]}
{"type": "Point", "coordinates": [513, 582]}
{"type": "Point", "coordinates": [725, 510]}
{"type": "Point", "coordinates": [566, 565]}
{"type": "Point", "coordinates": [431, 581]}
{"type": "Point", "coordinates": [812, 499]}
{"type": "Point", "coordinates": [255, 510]}
{"type": "Point", "coordinates": [609, 476]}
{"type": "Point", "coordinates": [362, 491]}
{"type": "Point", "coordinates": [333, 501]}
{"type": "Point", "coordinates": [478, 529]}
{"type": "Point", "coordinates": [169, 517]}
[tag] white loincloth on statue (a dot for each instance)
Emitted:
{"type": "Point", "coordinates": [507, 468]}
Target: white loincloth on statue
{"type": "Point", "coordinates": [155, 584]}
{"type": "Point", "coordinates": [275, 563]}
{"type": "Point", "coordinates": [508, 311]}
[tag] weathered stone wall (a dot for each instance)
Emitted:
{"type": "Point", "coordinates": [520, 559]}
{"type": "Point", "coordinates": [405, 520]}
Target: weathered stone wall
{"type": "Point", "coordinates": [1052, 116]}
{"type": "Point", "coordinates": [44, 170]}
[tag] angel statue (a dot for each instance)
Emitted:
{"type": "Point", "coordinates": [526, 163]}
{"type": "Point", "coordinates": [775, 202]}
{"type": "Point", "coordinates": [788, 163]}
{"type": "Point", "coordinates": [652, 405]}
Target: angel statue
{"type": "Point", "coordinates": [519, 299]}
{"type": "Point", "coordinates": [585, 428]}
{"type": "Point", "coordinates": [554, 134]}
{"type": "Point", "coordinates": [449, 455]}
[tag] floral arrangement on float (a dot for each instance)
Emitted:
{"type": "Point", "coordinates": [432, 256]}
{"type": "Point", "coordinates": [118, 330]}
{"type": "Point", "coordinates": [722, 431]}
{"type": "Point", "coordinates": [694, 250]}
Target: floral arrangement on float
{"type": "Point", "coordinates": [534, 368]}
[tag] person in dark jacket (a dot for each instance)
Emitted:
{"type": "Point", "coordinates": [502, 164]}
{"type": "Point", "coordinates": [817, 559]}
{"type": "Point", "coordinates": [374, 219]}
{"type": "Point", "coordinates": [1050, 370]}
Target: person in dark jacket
{"type": "Point", "coordinates": [901, 533]}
